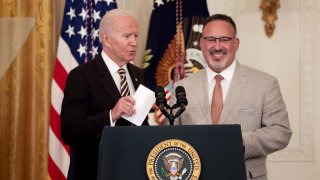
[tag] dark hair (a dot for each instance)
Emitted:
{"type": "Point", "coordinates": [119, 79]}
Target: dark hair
{"type": "Point", "coordinates": [222, 17]}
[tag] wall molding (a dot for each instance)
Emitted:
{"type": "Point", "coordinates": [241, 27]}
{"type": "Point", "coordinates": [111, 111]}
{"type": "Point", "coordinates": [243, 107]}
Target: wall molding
{"type": "Point", "coordinates": [308, 88]}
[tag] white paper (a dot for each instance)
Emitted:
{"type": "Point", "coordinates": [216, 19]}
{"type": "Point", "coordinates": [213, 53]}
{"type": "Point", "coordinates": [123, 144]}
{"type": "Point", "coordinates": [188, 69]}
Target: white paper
{"type": "Point", "coordinates": [144, 98]}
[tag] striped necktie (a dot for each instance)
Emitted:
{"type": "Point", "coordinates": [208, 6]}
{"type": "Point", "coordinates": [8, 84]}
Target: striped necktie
{"type": "Point", "coordinates": [217, 100]}
{"type": "Point", "coordinates": [124, 88]}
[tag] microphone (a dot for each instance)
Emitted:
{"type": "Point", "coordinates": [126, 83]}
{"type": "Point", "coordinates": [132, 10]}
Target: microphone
{"type": "Point", "coordinates": [181, 97]}
{"type": "Point", "coordinates": [161, 100]}
{"type": "Point", "coordinates": [182, 101]}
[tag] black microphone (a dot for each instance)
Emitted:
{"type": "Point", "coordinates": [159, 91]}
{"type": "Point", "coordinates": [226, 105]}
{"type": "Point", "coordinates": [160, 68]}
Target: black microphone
{"type": "Point", "coordinates": [181, 97]}
{"type": "Point", "coordinates": [161, 100]}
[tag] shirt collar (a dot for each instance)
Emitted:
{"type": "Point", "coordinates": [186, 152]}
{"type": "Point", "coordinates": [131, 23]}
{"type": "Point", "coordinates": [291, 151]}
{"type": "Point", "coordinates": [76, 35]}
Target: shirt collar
{"type": "Point", "coordinates": [227, 74]}
{"type": "Point", "coordinates": [112, 66]}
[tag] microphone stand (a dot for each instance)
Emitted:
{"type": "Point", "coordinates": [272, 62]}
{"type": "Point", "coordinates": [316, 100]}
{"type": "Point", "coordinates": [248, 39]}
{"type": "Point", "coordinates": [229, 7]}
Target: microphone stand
{"type": "Point", "coordinates": [170, 115]}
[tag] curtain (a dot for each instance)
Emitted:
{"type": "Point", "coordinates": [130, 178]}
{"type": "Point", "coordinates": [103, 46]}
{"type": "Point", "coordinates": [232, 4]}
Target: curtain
{"type": "Point", "coordinates": [26, 51]}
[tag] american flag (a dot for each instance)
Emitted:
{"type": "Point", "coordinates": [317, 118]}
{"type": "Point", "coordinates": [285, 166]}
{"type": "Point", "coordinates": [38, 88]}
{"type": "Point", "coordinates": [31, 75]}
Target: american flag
{"type": "Point", "coordinates": [78, 43]}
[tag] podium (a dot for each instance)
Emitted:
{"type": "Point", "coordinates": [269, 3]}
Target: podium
{"type": "Point", "coordinates": [126, 152]}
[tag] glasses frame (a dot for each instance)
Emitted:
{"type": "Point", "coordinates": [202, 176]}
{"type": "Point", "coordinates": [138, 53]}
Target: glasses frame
{"type": "Point", "coordinates": [225, 40]}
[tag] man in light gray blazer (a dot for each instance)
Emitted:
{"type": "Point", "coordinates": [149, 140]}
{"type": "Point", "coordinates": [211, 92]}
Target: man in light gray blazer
{"type": "Point", "coordinates": [251, 98]}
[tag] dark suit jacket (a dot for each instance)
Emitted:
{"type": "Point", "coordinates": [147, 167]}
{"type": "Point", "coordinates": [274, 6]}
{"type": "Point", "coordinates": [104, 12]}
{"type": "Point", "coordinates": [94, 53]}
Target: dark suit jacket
{"type": "Point", "coordinates": [89, 95]}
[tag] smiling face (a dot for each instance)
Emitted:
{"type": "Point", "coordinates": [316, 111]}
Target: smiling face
{"type": "Point", "coordinates": [120, 42]}
{"type": "Point", "coordinates": [219, 44]}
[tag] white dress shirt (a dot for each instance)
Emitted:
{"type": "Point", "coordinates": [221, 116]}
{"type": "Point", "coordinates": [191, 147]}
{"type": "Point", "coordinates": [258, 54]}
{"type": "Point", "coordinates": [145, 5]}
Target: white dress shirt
{"type": "Point", "coordinates": [227, 75]}
{"type": "Point", "coordinates": [113, 69]}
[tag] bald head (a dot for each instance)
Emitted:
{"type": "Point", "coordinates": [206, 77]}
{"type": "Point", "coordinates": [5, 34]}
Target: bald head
{"type": "Point", "coordinates": [107, 21]}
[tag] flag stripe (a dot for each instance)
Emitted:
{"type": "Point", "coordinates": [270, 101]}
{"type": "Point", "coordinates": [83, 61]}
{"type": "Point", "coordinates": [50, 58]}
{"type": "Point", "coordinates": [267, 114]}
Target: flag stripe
{"type": "Point", "coordinates": [54, 172]}
{"type": "Point", "coordinates": [58, 153]}
{"type": "Point", "coordinates": [60, 74]}
{"type": "Point", "coordinates": [65, 56]}
{"type": "Point", "coordinates": [55, 127]}
{"type": "Point", "coordinates": [56, 97]}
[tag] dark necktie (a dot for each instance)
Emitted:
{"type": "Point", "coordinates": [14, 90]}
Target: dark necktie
{"type": "Point", "coordinates": [124, 88]}
{"type": "Point", "coordinates": [217, 100]}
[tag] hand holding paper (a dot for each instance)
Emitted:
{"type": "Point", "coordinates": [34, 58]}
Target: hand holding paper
{"type": "Point", "coordinates": [144, 98]}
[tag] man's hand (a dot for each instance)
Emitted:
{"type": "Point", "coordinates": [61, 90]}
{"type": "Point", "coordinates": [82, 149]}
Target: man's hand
{"type": "Point", "coordinates": [123, 107]}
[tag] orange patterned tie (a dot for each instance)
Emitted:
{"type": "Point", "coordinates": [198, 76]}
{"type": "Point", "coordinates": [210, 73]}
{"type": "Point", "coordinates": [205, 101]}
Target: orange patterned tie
{"type": "Point", "coordinates": [217, 100]}
{"type": "Point", "coordinates": [124, 88]}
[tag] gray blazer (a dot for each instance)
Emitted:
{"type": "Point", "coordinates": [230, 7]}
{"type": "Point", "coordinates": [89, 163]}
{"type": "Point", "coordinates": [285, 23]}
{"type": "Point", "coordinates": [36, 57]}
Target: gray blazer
{"type": "Point", "coordinates": [255, 102]}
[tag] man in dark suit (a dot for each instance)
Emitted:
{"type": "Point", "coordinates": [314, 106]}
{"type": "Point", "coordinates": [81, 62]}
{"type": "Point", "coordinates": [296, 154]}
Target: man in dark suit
{"type": "Point", "coordinates": [92, 96]}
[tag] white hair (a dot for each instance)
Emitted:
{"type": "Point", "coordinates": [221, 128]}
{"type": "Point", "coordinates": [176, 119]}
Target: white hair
{"type": "Point", "coordinates": [106, 21]}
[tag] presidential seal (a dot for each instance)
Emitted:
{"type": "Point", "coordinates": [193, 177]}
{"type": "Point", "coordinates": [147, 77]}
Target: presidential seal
{"type": "Point", "coordinates": [173, 159]}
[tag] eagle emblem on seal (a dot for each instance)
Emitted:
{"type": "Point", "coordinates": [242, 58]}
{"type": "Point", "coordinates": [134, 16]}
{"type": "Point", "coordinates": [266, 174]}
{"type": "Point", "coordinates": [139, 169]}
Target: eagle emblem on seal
{"type": "Point", "coordinates": [173, 163]}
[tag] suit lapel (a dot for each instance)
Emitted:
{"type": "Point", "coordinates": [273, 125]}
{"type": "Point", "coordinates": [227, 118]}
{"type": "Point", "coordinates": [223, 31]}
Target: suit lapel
{"type": "Point", "coordinates": [202, 95]}
{"type": "Point", "coordinates": [106, 80]}
{"type": "Point", "coordinates": [237, 85]}
{"type": "Point", "coordinates": [135, 79]}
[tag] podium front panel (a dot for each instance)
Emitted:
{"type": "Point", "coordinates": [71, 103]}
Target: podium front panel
{"type": "Point", "coordinates": [124, 150]}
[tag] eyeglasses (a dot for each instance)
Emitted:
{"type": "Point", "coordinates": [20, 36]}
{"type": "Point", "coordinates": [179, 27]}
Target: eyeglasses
{"type": "Point", "coordinates": [222, 40]}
